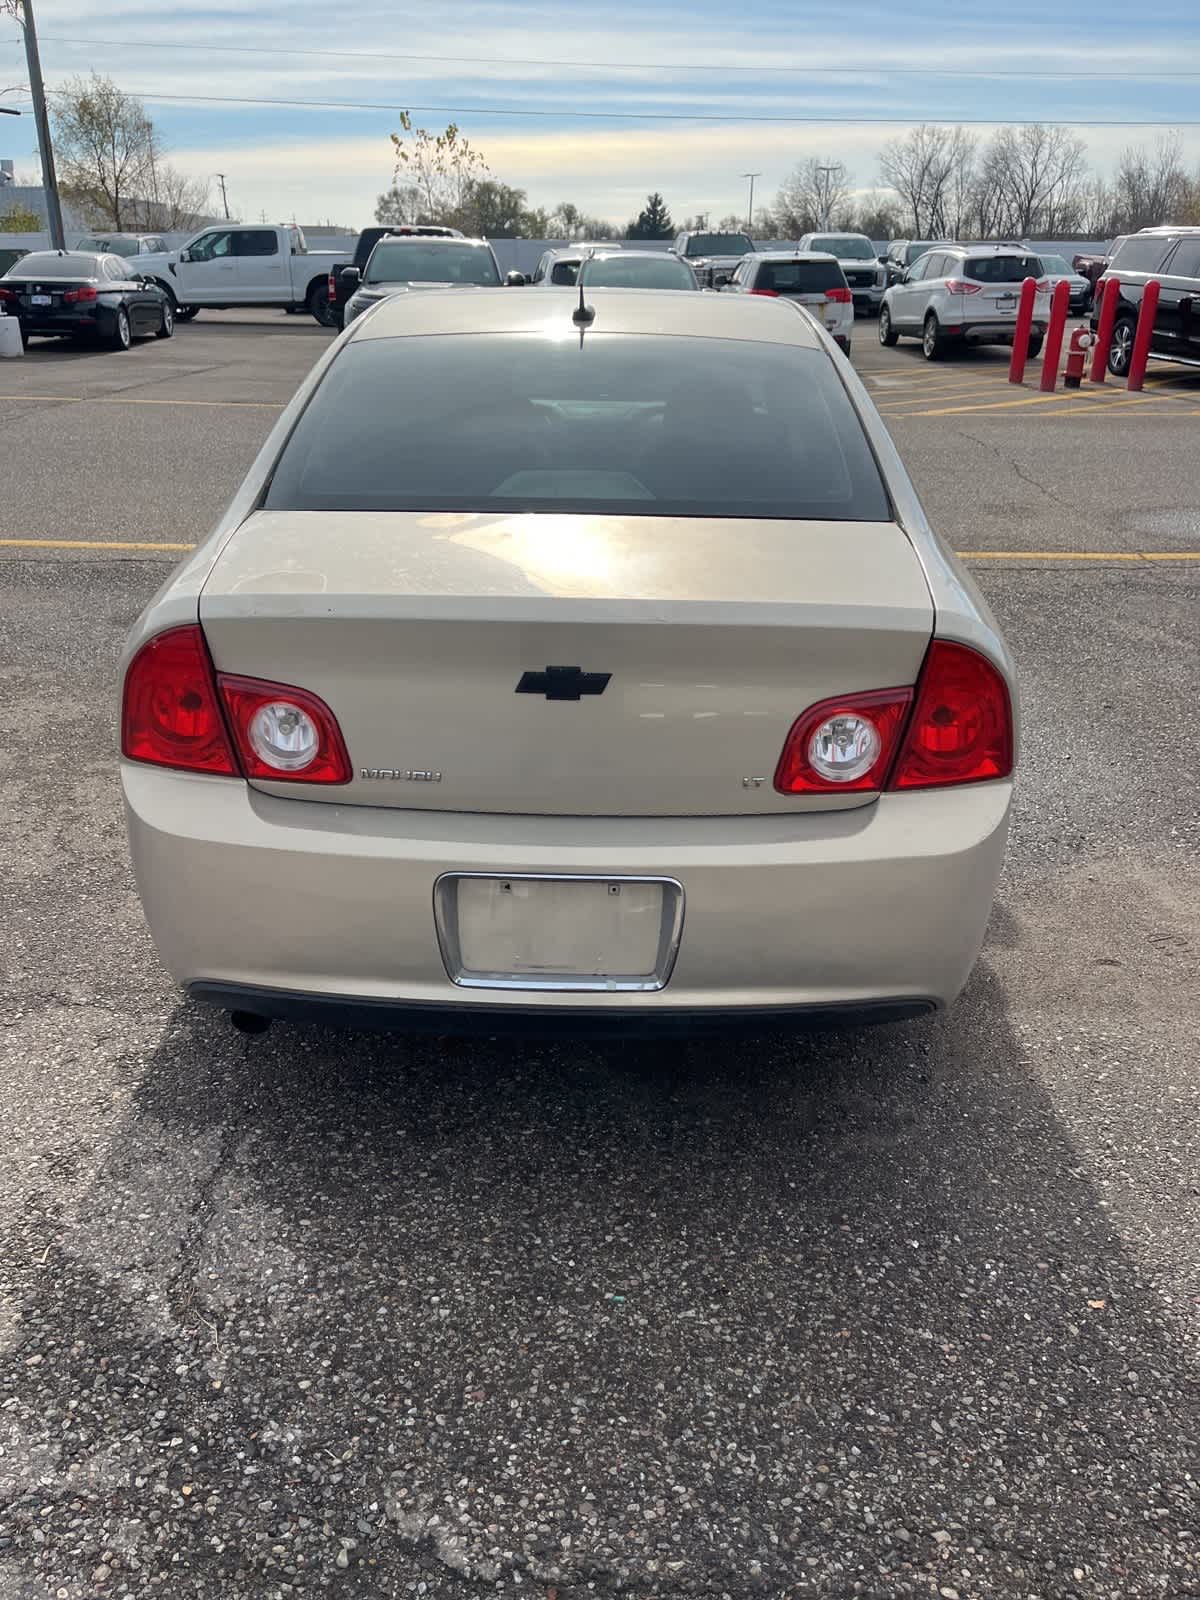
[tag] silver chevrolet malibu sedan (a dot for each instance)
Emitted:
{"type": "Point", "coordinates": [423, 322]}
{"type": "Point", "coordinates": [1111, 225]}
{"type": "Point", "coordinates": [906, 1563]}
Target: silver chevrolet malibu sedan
{"type": "Point", "coordinates": [582, 666]}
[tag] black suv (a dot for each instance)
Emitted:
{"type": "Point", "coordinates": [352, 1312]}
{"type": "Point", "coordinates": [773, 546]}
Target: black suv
{"type": "Point", "coordinates": [1172, 255]}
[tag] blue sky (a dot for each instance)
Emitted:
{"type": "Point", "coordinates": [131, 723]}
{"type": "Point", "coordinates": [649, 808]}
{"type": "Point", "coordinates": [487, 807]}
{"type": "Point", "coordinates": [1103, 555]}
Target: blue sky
{"type": "Point", "coordinates": [707, 58]}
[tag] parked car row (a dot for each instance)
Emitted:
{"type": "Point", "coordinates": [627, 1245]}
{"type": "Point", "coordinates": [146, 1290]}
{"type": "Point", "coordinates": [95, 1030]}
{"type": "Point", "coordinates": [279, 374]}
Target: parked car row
{"type": "Point", "coordinates": [511, 691]}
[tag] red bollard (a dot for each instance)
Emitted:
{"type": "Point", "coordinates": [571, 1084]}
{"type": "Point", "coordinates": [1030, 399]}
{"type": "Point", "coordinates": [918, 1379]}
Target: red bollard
{"type": "Point", "coordinates": [1060, 304]}
{"type": "Point", "coordinates": [1110, 291]}
{"type": "Point", "coordinates": [1141, 339]}
{"type": "Point", "coordinates": [1016, 367]}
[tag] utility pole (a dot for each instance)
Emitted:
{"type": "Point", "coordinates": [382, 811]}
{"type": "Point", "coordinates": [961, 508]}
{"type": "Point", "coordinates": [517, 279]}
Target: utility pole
{"type": "Point", "coordinates": [40, 117]}
{"type": "Point", "coordinates": [825, 208]}
{"type": "Point", "coordinates": [750, 203]}
{"type": "Point", "coordinates": [220, 177]}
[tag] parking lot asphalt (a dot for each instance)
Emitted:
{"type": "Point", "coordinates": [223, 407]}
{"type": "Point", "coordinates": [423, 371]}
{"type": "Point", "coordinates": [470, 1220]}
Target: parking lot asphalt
{"type": "Point", "coordinates": [902, 1312]}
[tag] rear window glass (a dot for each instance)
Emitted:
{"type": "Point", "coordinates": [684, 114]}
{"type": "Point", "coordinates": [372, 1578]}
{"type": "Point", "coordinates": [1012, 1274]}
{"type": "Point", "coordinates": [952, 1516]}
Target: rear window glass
{"type": "Point", "coordinates": [799, 277]}
{"type": "Point", "coordinates": [1002, 269]}
{"type": "Point", "coordinates": [417, 262]}
{"type": "Point", "coordinates": [637, 272]}
{"type": "Point", "coordinates": [1141, 252]}
{"type": "Point", "coordinates": [564, 272]}
{"type": "Point", "coordinates": [45, 264]}
{"type": "Point", "coordinates": [625, 424]}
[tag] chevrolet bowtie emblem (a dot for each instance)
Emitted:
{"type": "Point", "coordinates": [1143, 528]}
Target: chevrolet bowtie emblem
{"type": "Point", "coordinates": [563, 683]}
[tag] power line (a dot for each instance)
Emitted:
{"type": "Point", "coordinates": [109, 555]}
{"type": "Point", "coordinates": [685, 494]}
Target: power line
{"type": "Point", "coordinates": [856, 69]}
{"type": "Point", "coordinates": [660, 116]}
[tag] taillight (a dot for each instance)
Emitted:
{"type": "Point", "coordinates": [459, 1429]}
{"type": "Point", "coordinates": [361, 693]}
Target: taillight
{"type": "Point", "coordinates": [284, 734]}
{"type": "Point", "coordinates": [954, 727]}
{"type": "Point", "coordinates": [961, 726]}
{"type": "Point", "coordinates": [170, 714]}
{"type": "Point", "coordinates": [331, 287]}
{"type": "Point", "coordinates": [74, 297]}
{"type": "Point", "coordinates": [845, 745]}
{"type": "Point", "coordinates": [8, 294]}
{"type": "Point", "coordinates": [842, 296]}
{"type": "Point", "coordinates": [771, 294]}
{"type": "Point", "coordinates": [961, 286]}
{"type": "Point", "coordinates": [177, 712]}
{"type": "Point", "coordinates": [1042, 285]}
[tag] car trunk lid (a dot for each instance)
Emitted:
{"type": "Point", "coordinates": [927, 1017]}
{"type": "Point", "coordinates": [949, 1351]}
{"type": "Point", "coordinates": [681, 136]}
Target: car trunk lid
{"type": "Point", "coordinates": [566, 664]}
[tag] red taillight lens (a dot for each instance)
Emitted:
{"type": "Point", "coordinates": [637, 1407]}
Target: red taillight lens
{"type": "Point", "coordinates": [284, 734]}
{"type": "Point", "coordinates": [961, 727]}
{"type": "Point", "coordinates": [74, 297]}
{"type": "Point", "coordinates": [170, 715]}
{"type": "Point", "coordinates": [8, 294]}
{"type": "Point", "coordinates": [770, 294]}
{"type": "Point", "coordinates": [961, 286]}
{"type": "Point", "coordinates": [1042, 285]}
{"type": "Point", "coordinates": [842, 296]}
{"type": "Point", "coordinates": [331, 287]}
{"type": "Point", "coordinates": [843, 746]}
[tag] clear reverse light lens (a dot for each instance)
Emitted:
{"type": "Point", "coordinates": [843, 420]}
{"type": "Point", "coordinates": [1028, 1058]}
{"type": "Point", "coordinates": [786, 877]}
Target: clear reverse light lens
{"type": "Point", "coordinates": [284, 736]}
{"type": "Point", "coordinates": [844, 747]}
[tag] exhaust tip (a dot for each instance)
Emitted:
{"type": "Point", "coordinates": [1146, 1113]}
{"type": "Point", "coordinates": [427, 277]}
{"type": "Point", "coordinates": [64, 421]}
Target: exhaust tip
{"type": "Point", "coordinates": [249, 1021]}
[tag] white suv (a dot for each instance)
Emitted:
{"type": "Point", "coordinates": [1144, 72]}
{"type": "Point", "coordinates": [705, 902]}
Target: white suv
{"type": "Point", "coordinates": [964, 292]}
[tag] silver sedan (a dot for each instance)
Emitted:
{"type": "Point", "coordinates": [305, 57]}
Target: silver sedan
{"type": "Point", "coordinates": [584, 663]}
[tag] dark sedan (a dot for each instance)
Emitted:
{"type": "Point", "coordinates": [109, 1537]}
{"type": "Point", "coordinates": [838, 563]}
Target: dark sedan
{"type": "Point", "coordinates": [75, 294]}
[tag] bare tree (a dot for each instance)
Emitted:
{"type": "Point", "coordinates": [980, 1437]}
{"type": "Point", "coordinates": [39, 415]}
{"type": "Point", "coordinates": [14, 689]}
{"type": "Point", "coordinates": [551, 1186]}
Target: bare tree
{"type": "Point", "coordinates": [441, 167]}
{"type": "Point", "coordinates": [809, 199]}
{"type": "Point", "coordinates": [1150, 185]}
{"type": "Point", "coordinates": [107, 150]}
{"type": "Point", "coordinates": [931, 168]}
{"type": "Point", "coordinates": [178, 203]}
{"type": "Point", "coordinates": [1032, 181]}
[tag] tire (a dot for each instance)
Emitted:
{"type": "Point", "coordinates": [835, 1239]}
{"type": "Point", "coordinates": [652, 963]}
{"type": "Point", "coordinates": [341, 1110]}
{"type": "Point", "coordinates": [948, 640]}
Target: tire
{"type": "Point", "coordinates": [932, 344]}
{"type": "Point", "coordinates": [166, 331]}
{"type": "Point", "coordinates": [319, 307]}
{"type": "Point", "coordinates": [186, 313]}
{"type": "Point", "coordinates": [887, 334]}
{"type": "Point", "coordinates": [122, 336]}
{"type": "Point", "coordinates": [1120, 346]}
{"type": "Point", "coordinates": [1035, 346]}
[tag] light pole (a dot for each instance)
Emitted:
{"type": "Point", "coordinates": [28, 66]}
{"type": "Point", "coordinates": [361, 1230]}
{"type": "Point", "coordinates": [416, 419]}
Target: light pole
{"type": "Point", "coordinates": [750, 202]}
{"type": "Point", "coordinates": [220, 177]}
{"type": "Point", "coordinates": [825, 171]}
{"type": "Point", "coordinates": [24, 15]}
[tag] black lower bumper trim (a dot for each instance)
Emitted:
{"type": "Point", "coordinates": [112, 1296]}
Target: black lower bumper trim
{"type": "Point", "coordinates": [402, 1016]}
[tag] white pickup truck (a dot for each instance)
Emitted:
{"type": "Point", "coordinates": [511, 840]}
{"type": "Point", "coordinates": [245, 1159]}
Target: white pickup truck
{"type": "Point", "coordinates": [244, 264]}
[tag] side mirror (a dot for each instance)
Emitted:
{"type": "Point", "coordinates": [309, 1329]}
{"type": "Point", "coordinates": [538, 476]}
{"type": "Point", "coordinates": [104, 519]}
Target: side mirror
{"type": "Point", "coordinates": [883, 261]}
{"type": "Point", "coordinates": [185, 255]}
{"type": "Point", "coordinates": [515, 280]}
{"type": "Point", "coordinates": [720, 279]}
{"type": "Point", "coordinates": [350, 278]}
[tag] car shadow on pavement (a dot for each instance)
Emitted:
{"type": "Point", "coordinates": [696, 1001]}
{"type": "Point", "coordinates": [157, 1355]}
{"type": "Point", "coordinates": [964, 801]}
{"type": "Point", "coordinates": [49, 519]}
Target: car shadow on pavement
{"type": "Point", "coordinates": [832, 1314]}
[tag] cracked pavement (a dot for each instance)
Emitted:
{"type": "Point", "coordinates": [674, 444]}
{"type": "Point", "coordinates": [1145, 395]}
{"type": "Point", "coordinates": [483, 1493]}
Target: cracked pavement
{"type": "Point", "coordinates": [910, 1311]}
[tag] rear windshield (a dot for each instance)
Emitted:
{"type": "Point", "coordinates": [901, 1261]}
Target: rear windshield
{"type": "Point", "coordinates": [637, 272]}
{"type": "Point", "coordinates": [120, 247]}
{"type": "Point", "coordinates": [45, 264]}
{"type": "Point", "coordinates": [1002, 269]}
{"type": "Point", "coordinates": [1055, 264]}
{"type": "Point", "coordinates": [414, 261]}
{"type": "Point", "coordinates": [719, 244]}
{"type": "Point", "coordinates": [625, 424]}
{"type": "Point", "coordinates": [799, 277]}
{"type": "Point", "coordinates": [846, 247]}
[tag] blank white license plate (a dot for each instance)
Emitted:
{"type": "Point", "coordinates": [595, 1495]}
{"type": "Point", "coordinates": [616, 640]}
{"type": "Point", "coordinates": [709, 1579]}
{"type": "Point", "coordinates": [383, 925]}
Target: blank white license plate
{"type": "Point", "coordinates": [559, 933]}
{"type": "Point", "coordinates": [40, 300]}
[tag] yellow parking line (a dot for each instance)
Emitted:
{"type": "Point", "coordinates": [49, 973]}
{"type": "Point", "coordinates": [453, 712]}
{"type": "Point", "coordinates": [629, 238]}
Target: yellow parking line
{"type": "Point", "coordinates": [121, 400]}
{"type": "Point", "coordinates": [964, 555]}
{"type": "Point", "coordinates": [1079, 555]}
{"type": "Point", "coordinates": [1007, 405]}
{"type": "Point", "coordinates": [94, 544]}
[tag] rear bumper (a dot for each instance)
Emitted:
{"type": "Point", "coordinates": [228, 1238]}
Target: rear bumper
{"type": "Point", "coordinates": [69, 323]}
{"type": "Point", "coordinates": [993, 330]}
{"type": "Point", "coordinates": [328, 906]}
